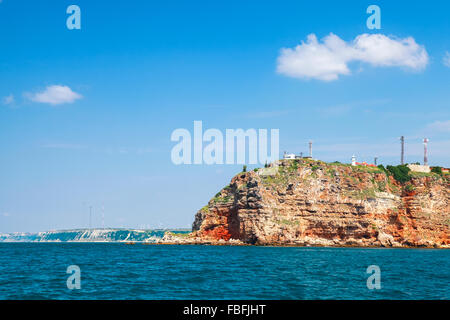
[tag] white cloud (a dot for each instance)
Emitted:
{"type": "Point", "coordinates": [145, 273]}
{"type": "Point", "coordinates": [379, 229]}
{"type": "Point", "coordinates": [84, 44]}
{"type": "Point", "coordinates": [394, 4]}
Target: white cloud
{"type": "Point", "coordinates": [446, 59]}
{"type": "Point", "coordinates": [329, 59]}
{"type": "Point", "coordinates": [54, 95]}
{"type": "Point", "coordinates": [439, 126]}
{"type": "Point", "coordinates": [9, 99]}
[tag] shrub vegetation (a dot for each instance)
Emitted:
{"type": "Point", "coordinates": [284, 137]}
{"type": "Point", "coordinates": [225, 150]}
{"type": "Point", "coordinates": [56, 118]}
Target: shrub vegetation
{"type": "Point", "coordinates": [437, 170]}
{"type": "Point", "coordinates": [400, 172]}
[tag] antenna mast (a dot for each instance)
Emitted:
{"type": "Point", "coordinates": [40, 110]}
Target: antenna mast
{"type": "Point", "coordinates": [310, 149]}
{"type": "Point", "coordinates": [425, 151]}
{"type": "Point", "coordinates": [402, 159]}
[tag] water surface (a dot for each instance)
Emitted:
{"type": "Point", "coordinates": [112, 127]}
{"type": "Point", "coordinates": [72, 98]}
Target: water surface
{"type": "Point", "coordinates": [119, 271]}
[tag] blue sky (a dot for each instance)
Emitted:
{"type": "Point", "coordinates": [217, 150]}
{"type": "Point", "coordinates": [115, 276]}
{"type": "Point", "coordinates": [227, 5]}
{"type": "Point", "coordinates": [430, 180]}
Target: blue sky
{"type": "Point", "coordinates": [86, 115]}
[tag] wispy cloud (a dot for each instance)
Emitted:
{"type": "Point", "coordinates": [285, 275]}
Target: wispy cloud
{"type": "Point", "coordinates": [329, 59]}
{"type": "Point", "coordinates": [65, 146]}
{"type": "Point", "coordinates": [128, 150]}
{"type": "Point", "coordinates": [438, 126]}
{"type": "Point", "coordinates": [388, 148]}
{"type": "Point", "coordinates": [342, 109]}
{"type": "Point", "coordinates": [268, 114]}
{"type": "Point", "coordinates": [94, 149]}
{"type": "Point", "coordinates": [8, 100]}
{"type": "Point", "coordinates": [446, 59]}
{"type": "Point", "coordinates": [335, 110]}
{"type": "Point", "coordinates": [54, 95]}
{"type": "Point", "coordinates": [384, 149]}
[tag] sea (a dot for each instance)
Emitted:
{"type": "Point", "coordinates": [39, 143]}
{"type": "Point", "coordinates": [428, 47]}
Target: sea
{"type": "Point", "coordinates": [137, 271]}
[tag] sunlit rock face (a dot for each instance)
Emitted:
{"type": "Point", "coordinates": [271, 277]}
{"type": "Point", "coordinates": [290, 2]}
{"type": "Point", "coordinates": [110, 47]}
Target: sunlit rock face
{"type": "Point", "coordinates": [310, 202]}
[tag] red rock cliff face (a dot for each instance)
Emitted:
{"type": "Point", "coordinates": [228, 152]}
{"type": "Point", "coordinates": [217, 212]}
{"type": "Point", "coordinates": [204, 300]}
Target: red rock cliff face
{"type": "Point", "coordinates": [314, 203]}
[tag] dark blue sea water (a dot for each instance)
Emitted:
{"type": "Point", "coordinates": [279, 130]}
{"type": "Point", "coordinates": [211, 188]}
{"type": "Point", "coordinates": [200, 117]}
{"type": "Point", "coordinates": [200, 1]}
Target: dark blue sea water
{"type": "Point", "coordinates": [119, 271]}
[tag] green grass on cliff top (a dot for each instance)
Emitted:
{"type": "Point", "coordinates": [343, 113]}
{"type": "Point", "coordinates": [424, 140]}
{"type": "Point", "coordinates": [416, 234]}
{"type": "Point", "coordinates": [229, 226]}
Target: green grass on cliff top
{"type": "Point", "coordinates": [401, 173]}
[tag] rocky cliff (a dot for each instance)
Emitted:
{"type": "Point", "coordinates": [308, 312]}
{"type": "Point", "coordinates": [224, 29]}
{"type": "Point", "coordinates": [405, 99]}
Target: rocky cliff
{"type": "Point", "coordinates": [308, 202]}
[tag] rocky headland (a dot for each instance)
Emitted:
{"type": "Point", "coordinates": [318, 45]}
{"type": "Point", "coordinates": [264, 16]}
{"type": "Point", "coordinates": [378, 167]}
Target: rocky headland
{"type": "Point", "coordinates": [306, 202]}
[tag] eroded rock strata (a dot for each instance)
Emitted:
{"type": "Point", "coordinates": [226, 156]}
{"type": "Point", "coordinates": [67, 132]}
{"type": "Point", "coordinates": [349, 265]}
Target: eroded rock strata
{"type": "Point", "coordinates": [310, 202]}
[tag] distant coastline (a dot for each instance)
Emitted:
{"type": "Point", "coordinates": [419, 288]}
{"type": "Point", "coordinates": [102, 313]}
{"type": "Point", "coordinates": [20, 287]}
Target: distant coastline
{"type": "Point", "coordinates": [92, 235]}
